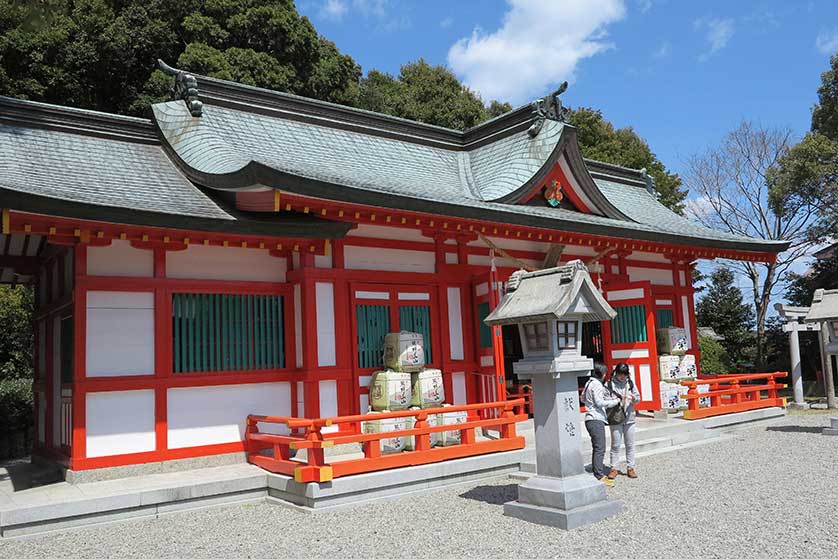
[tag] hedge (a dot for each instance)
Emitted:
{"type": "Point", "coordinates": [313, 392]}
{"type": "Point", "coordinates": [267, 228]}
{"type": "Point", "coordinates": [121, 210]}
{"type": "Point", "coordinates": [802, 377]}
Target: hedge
{"type": "Point", "coordinates": [16, 417]}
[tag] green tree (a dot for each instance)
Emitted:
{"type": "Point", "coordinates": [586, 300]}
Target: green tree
{"type": "Point", "coordinates": [600, 140]}
{"type": "Point", "coordinates": [100, 54]}
{"type": "Point", "coordinates": [16, 308]}
{"type": "Point", "coordinates": [426, 93]}
{"type": "Point", "coordinates": [722, 309]}
{"type": "Point", "coordinates": [808, 173]}
{"type": "Point", "coordinates": [714, 357]}
{"type": "Point", "coordinates": [822, 275]}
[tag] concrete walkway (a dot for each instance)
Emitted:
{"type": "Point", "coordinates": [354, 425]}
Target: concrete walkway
{"type": "Point", "coordinates": [26, 510]}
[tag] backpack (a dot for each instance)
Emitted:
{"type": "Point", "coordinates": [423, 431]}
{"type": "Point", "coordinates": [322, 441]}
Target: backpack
{"type": "Point", "coordinates": [617, 414]}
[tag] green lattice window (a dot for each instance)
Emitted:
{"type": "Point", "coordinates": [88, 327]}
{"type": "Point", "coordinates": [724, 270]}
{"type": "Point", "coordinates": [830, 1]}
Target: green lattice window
{"type": "Point", "coordinates": [629, 326]}
{"type": "Point", "coordinates": [415, 318]}
{"type": "Point", "coordinates": [483, 311]}
{"type": "Point", "coordinates": [373, 324]}
{"type": "Point", "coordinates": [215, 332]}
{"type": "Point", "coordinates": [665, 318]}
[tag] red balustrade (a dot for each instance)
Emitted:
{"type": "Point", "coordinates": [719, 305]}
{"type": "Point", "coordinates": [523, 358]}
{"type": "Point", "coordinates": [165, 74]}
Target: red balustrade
{"type": "Point", "coordinates": [309, 434]}
{"type": "Point", "coordinates": [733, 393]}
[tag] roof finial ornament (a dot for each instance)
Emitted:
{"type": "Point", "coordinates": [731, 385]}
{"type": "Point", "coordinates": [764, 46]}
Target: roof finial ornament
{"type": "Point", "coordinates": [186, 88]}
{"type": "Point", "coordinates": [548, 107]}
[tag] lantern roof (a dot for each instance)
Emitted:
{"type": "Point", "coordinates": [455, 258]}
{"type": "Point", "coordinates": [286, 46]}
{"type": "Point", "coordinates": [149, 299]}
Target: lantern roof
{"type": "Point", "coordinates": [824, 306]}
{"type": "Point", "coordinates": [565, 292]}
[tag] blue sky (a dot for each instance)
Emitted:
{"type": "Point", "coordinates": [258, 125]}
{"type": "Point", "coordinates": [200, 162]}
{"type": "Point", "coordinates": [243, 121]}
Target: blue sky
{"type": "Point", "coordinates": [682, 73]}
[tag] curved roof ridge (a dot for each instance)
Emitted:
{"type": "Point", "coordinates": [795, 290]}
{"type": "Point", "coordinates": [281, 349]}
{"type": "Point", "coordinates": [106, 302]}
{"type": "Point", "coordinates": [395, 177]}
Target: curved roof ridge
{"type": "Point", "coordinates": [74, 120]}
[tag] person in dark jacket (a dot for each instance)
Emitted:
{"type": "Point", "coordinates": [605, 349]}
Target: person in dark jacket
{"type": "Point", "coordinates": [597, 400]}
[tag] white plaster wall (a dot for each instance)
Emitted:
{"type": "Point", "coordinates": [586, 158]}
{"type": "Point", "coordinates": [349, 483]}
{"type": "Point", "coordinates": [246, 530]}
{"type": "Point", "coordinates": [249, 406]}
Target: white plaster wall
{"type": "Point", "coordinates": [458, 386]}
{"type": "Point", "coordinates": [455, 323]}
{"type": "Point", "coordinates": [364, 403]}
{"type": "Point", "coordinates": [385, 232]}
{"type": "Point", "coordinates": [217, 414]}
{"type": "Point", "coordinates": [230, 263]}
{"type": "Point", "coordinates": [624, 294]}
{"type": "Point", "coordinates": [119, 422]}
{"type": "Point", "coordinates": [301, 400]}
{"type": "Point", "coordinates": [655, 275]}
{"type": "Point", "coordinates": [646, 394]}
{"type": "Point", "coordinates": [323, 260]}
{"type": "Point", "coordinates": [450, 257]}
{"type": "Point", "coordinates": [389, 259]}
{"type": "Point", "coordinates": [325, 311]}
{"type": "Point", "coordinates": [685, 311]}
{"type": "Point", "coordinates": [328, 398]}
{"type": "Point", "coordinates": [120, 333]}
{"type": "Point", "coordinates": [648, 257]}
{"type": "Point", "coordinates": [486, 260]}
{"type": "Point", "coordinates": [120, 259]}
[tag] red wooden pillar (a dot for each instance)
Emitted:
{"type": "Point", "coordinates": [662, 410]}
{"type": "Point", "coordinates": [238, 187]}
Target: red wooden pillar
{"type": "Point", "coordinates": [162, 352]}
{"type": "Point", "coordinates": [78, 444]}
{"type": "Point", "coordinates": [304, 281]}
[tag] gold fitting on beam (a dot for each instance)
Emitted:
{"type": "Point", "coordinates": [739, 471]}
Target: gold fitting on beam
{"type": "Point", "coordinates": [27, 228]}
{"type": "Point", "coordinates": [145, 238]}
{"type": "Point", "coordinates": [287, 207]}
{"type": "Point", "coordinates": [122, 236]}
{"type": "Point", "coordinates": [277, 204]}
{"type": "Point", "coordinates": [327, 444]}
{"type": "Point", "coordinates": [6, 221]}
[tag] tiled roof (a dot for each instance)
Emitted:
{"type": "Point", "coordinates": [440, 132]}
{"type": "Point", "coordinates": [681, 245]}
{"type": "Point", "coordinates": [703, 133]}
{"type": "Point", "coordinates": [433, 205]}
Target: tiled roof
{"type": "Point", "coordinates": [249, 136]}
{"type": "Point", "coordinates": [82, 159]}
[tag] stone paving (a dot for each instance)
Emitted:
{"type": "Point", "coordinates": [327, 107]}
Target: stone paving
{"type": "Point", "coordinates": [766, 491]}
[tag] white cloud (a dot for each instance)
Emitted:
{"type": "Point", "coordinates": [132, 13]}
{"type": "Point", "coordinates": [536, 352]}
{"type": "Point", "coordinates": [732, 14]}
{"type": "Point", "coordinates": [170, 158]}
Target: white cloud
{"type": "Point", "coordinates": [446, 22]}
{"type": "Point", "coordinates": [333, 10]}
{"type": "Point", "coordinates": [539, 44]}
{"type": "Point", "coordinates": [827, 42]}
{"type": "Point", "coordinates": [717, 32]}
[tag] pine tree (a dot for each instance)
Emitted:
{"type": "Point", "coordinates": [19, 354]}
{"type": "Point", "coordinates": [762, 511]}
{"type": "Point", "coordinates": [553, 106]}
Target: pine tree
{"type": "Point", "coordinates": [722, 309]}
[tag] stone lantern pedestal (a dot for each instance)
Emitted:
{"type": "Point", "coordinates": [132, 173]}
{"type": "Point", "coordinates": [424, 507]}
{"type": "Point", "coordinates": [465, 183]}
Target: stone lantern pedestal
{"type": "Point", "coordinates": [549, 307]}
{"type": "Point", "coordinates": [562, 493]}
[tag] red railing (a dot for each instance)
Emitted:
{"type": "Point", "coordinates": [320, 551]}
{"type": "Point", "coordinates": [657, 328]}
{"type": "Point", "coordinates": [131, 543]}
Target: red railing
{"type": "Point", "coordinates": [315, 468]}
{"type": "Point", "coordinates": [733, 393]}
{"type": "Point", "coordinates": [524, 392]}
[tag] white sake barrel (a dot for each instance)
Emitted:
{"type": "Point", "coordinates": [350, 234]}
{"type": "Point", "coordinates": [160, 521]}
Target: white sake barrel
{"type": "Point", "coordinates": [451, 418]}
{"type": "Point", "coordinates": [394, 443]}
{"type": "Point", "coordinates": [427, 389]}
{"type": "Point", "coordinates": [390, 390]}
{"type": "Point", "coordinates": [404, 351]}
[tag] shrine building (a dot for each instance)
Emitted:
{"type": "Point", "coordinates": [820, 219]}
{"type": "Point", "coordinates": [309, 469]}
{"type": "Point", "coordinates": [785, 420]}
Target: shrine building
{"type": "Point", "coordinates": [243, 251]}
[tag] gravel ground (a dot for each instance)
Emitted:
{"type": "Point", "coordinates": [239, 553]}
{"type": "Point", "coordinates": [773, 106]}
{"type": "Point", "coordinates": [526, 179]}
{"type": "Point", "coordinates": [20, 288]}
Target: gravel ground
{"type": "Point", "coordinates": [766, 492]}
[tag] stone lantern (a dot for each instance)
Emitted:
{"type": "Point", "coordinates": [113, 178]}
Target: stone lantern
{"type": "Point", "coordinates": [549, 308]}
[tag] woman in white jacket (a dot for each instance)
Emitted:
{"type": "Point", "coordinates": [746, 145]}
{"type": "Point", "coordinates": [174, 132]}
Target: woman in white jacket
{"type": "Point", "coordinates": [621, 386]}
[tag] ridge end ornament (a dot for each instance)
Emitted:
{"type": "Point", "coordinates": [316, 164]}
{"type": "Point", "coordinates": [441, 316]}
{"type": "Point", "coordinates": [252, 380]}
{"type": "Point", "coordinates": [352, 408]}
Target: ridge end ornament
{"type": "Point", "coordinates": [185, 87]}
{"type": "Point", "coordinates": [548, 107]}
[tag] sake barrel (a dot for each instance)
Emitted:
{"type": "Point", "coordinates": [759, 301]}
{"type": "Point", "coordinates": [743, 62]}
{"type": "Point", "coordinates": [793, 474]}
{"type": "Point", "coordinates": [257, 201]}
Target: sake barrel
{"type": "Point", "coordinates": [670, 367]}
{"type": "Point", "coordinates": [394, 443]}
{"type": "Point", "coordinates": [451, 418]}
{"type": "Point", "coordinates": [404, 351]}
{"type": "Point", "coordinates": [390, 390]}
{"type": "Point", "coordinates": [427, 389]}
{"type": "Point", "coordinates": [687, 366]}
{"type": "Point", "coordinates": [436, 438]}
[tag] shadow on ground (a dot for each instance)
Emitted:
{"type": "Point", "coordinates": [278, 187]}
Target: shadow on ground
{"type": "Point", "coordinates": [492, 494]}
{"type": "Point", "coordinates": [794, 429]}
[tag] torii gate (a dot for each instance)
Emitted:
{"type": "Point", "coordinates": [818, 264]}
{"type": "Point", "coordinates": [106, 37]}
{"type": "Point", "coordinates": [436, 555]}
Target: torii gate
{"type": "Point", "coordinates": [793, 325]}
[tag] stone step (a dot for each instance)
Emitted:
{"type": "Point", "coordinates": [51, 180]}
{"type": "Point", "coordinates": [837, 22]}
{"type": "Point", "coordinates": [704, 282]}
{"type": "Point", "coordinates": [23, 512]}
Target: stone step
{"type": "Point", "coordinates": [833, 428]}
